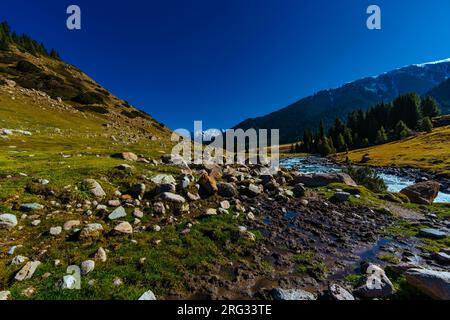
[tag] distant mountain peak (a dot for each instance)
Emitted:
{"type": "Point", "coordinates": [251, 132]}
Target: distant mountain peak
{"type": "Point", "coordinates": [327, 105]}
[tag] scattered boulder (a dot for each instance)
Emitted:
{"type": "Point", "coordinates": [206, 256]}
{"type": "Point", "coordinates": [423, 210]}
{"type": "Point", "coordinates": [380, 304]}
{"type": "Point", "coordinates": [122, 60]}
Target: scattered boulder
{"type": "Point", "coordinates": [138, 213]}
{"type": "Point", "coordinates": [299, 190]}
{"type": "Point", "coordinates": [87, 266]}
{"type": "Point", "coordinates": [339, 293]}
{"type": "Point", "coordinates": [208, 185]}
{"type": "Point", "coordinates": [442, 257]}
{"type": "Point", "coordinates": [172, 197]}
{"type": "Point", "coordinates": [5, 295]}
{"type": "Point", "coordinates": [68, 225]}
{"type": "Point", "coordinates": [163, 179]}
{"type": "Point", "coordinates": [253, 190]}
{"type": "Point", "coordinates": [92, 230]}
{"type": "Point", "coordinates": [422, 192]}
{"type": "Point", "coordinates": [31, 207]}
{"type": "Point", "coordinates": [55, 231]}
{"type": "Point", "coordinates": [100, 255]}
{"type": "Point", "coordinates": [123, 228]}
{"type": "Point", "coordinates": [291, 294]}
{"type": "Point", "coordinates": [137, 190]}
{"type": "Point", "coordinates": [432, 233]}
{"type": "Point", "coordinates": [117, 214]}
{"type": "Point", "coordinates": [18, 260]}
{"type": "Point", "coordinates": [123, 167]}
{"type": "Point", "coordinates": [375, 284]}
{"type": "Point", "coordinates": [128, 156]}
{"type": "Point", "coordinates": [8, 221]}
{"type": "Point", "coordinates": [27, 271]}
{"type": "Point", "coordinates": [210, 212]}
{"type": "Point", "coordinates": [341, 196]}
{"type": "Point", "coordinates": [435, 284]}
{"type": "Point", "coordinates": [94, 188]}
{"type": "Point", "coordinates": [147, 296]}
{"type": "Point", "coordinates": [227, 190]}
{"type": "Point", "coordinates": [324, 179]}
{"type": "Point", "coordinates": [158, 208]}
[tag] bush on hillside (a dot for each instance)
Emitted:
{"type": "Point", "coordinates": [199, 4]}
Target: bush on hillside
{"type": "Point", "coordinates": [367, 177]}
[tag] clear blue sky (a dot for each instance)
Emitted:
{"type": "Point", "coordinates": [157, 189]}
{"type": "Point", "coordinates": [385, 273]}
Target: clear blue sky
{"type": "Point", "coordinates": [222, 61]}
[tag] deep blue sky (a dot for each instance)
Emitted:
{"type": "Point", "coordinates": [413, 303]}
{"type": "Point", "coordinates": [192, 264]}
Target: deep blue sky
{"type": "Point", "coordinates": [222, 61]}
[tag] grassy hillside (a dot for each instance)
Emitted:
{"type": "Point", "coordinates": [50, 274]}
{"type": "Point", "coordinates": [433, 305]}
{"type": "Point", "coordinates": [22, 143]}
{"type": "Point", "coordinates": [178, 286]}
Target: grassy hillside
{"type": "Point", "coordinates": [429, 151]}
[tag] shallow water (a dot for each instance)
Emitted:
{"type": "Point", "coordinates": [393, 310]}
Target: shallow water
{"type": "Point", "coordinates": [394, 183]}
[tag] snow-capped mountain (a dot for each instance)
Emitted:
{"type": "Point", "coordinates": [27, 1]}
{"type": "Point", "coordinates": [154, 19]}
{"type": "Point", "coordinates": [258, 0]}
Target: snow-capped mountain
{"type": "Point", "coordinates": [360, 94]}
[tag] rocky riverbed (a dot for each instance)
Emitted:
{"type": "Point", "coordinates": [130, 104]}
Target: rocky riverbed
{"type": "Point", "coordinates": [221, 232]}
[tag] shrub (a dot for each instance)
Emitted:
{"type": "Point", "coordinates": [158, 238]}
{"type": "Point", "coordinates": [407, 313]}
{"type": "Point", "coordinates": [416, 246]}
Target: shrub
{"type": "Point", "coordinates": [27, 67]}
{"type": "Point", "coordinates": [367, 177]}
{"type": "Point", "coordinates": [89, 98]}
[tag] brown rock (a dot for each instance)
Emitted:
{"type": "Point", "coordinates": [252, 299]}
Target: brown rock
{"type": "Point", "coordinates": [422, 192]}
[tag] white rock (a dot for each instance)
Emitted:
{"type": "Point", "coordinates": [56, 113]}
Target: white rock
{"type": "Point", "coordinates": [7, 221]}
{"type": "Point", "coordinates": [6, 295]}
{"type": "Point", "coordinates": [148, 296]}
{"type": "Point", "coordinates": [27, 271]}
{"type": "Point", "coordinates": [18, 260]}
{"type": "Point", "coordinates": [87, 266]}
{"type": "Point", "coordinates": [55, 231]}
{"type": "Point", "coordinates": [117, 214]}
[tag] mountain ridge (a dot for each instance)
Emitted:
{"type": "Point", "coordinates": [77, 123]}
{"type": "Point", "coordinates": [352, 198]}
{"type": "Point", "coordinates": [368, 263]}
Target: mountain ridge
{"type": "Point", "coordinates": [359, 94]}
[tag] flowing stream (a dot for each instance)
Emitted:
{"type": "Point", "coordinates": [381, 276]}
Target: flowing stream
{"type": "Point", "coordinates": [393, 182]}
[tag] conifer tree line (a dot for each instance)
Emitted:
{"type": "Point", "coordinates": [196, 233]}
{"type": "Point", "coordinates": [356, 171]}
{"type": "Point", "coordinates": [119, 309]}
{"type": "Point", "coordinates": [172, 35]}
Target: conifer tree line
{"type": "Point", "coordinates": [23, 42]}
{"type": "Point", "coordinates": [381, 123]}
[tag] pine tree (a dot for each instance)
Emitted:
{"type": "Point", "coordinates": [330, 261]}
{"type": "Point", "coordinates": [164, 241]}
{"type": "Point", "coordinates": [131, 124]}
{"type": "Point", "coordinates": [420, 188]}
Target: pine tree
{"type": "Point", "coordinates": [427, 125]}
{"type": "Point", "coordinates": [401, 130]}
{"type": "Point", "coordinates": [430, 107]}
{"type": "Point", "coordinates": [341, 145]}
{"type": "Point", "coordinates": [406, 108]}
{"type": "Point", "coordinates": [381, 136]}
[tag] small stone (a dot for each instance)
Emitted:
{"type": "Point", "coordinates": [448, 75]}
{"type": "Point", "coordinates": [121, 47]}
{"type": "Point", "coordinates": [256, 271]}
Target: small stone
{"type": "Point", "coordinates": [27, 271]}
{"type": "Point", "coordinates": [8, 221]}
{"type": "Point", "coordinates": [172, 197]}
{"type": "Point", "coordinates": [31, 207]}
{"type": "Point", "coordinates": [100, 255]}
{"type": "Point", "coordinates": [342, 196]}
{"type": "Point", "coordinates": [147, 296]}
{"type": "Point", "coordinates": [117, 214]}
{"type": "Point", "coordinates": [68, 225]}
{"type": "Point", "coordinates": [225, 205]}
{"type": "Point", "coordinates": [18, 260]}
{"type": "Point", "coordinates": [138, 213]}
{"type": "Point", "coordinates": [114, 203]}
{"type": "Point", "coordinates": [432, 233]}
{"type": "Point", "coordinates": [94, 188]}
{"type": "Point", "coordinates": [124, 228]}
{"type": "Point", "coordinates": [55, 231]}
{"type": "Point", "coordinates": [36, 222]}
{"type": "Point", "coordinates": [87, 266]}
{"type": "Point", "coordinates": [339, 293]}
{"type": "Point", "coordinates": [211, 212]}
{"type": "Point", "coordinates": [6, 295]}
{"type": "Point", "coordinates": [291, 294]}
{"type": "Point", "coordinates": [159, 208]}
{"type": "Point", "coordinates": [156, 228]}
{"type": "Point", "coordinates": [117, 282]}
{"type": "Point", "coordinates": [193, 197]}
{"type": "Point", "coordinates": [123, 167]}
{"type": "Point", "coordinates": [91, 230]}
{"type": "Point", "coordinates": [163, 179]}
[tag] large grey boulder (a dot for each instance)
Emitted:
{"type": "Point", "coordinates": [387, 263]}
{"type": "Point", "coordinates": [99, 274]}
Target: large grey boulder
{"type": "Point", "coordinates": [435, 284]}
{"type": "Point", "coordinates": [163, 179]}
{"type": "Point", "coordinates": [31, 206]}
